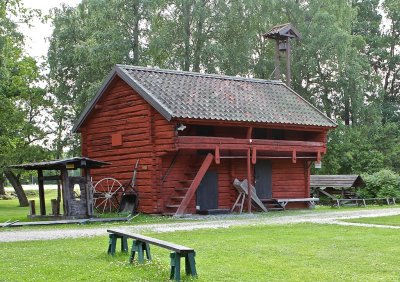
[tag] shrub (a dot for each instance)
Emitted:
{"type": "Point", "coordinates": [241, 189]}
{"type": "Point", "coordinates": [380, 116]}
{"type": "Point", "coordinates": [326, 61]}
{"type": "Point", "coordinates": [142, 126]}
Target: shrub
{"type": "Point", "coordinates": [382, 184]}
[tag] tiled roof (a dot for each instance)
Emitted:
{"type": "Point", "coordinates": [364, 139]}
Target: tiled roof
{"type": "Point", "coordinates": [178, 94]}
{"type": "Point", "coordinates": [282, 31]}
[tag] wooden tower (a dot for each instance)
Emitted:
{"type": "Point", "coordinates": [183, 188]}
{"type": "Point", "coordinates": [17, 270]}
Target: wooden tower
{"type": "Point", "coordinates": [282, 35]}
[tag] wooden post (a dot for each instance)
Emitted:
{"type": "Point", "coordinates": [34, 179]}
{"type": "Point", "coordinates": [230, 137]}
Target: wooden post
{"type": "Point", "coordinates": [66, 193]}
{"type": "Point", "coordinates": [288, 71]}
{"type": "Point", "coordinates": [41, 193]}
{"type": "Point", "coordinates": [217, 155]}
{"type": "Point", "coordinates": [54, 206]}
{"type": "Point", "coordinates": [89, 193]}
{"type": "Point", "coordinates": [277, 63]}
{"type": "Point", "coordinates": [32, 207]}
{"type": "Point", "coordinates": [249, 132]}
{"type": "Point", "coordinates": [249, 178]}
{"type": "Point", "coordinates": [254, 156]}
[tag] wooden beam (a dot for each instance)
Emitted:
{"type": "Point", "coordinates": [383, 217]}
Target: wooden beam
{"type": "Point", "coordinates": [288, 68]}
{"type": "Point", "coordinates": [249, 179]}
{"type": "Point", "coordinates": [294, 157]}
{"type": "Point", "coordinates": [254, 156]}
{"type": "Point", "coordinates": [217, 155]}
{"type": "Point", "coordinates": [225, 143]}
{"type": "Point", "coordinates": [195, 184]}
{"type": "Point", "coordinates": [249, 132]}
{"type": "Point", "coordinates": [50, 178]}
{"type": "Point", "coordinates": [42, 203]}
{"type": "Point", "coordinates": [318, 156]}
{"type": "Point", "coordinates": [277, 70]}
{"type": "Point", "coordinates": [295, 127]}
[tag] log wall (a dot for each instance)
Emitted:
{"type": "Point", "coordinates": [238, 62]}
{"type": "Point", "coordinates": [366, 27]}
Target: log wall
{"type": "Point", "coordinates": [145, 135]}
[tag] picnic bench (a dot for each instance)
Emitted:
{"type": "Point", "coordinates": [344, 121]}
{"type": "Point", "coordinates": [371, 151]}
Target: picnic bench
{"type": "Point", "coordinates": [362, 201]}
{"type": "Point", "coordinates": [310, 201]}
{"type": "Point", "coordinates": [141, 244]}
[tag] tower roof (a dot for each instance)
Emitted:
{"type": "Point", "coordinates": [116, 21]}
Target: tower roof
{"type": "Point", "coordinates": [282, 31]}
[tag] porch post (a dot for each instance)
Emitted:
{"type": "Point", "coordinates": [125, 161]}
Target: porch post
{"type": "Point", "coordinates": [41, 192]}
{"type": "Point", "coordinates": [249, 178]}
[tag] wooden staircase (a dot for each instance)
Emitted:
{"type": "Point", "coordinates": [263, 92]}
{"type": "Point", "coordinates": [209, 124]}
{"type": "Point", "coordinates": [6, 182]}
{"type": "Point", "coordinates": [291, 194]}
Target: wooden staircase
{"type": "Point", "coordinates": [183, 195]}
{"type": "Point", "coordinates": [272, 205]}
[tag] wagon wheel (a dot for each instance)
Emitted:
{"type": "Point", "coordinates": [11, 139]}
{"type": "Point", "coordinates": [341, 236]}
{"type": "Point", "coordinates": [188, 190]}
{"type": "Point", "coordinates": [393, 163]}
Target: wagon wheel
{"type": "Point", "coordinates": [106, 194]}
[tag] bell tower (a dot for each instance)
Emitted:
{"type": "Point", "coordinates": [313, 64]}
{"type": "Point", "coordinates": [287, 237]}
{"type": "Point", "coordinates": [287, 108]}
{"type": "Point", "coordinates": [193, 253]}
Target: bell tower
{"type": "Point", "coordinates": [282, 34]}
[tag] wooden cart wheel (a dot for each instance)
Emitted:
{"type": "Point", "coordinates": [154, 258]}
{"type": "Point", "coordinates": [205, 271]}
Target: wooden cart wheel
{"type": "Point", "coordinates": [106, 195]}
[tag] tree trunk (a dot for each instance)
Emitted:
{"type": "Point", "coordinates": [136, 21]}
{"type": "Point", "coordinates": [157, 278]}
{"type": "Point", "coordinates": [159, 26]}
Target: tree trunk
{"type": "Point", "coordinates": [199, 36]}
{"type": "Point", "coordinates": [136, 32]}
{"type": "Point", "coordinates": [23, 200]}
{"type": "Point", "coordinates": [2, 190]}
{"type": "Point", "coordinates": [186, 33]}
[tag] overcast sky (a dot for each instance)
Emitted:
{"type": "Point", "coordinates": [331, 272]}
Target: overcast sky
{"type": "Point", "coordinates": [36, 36]}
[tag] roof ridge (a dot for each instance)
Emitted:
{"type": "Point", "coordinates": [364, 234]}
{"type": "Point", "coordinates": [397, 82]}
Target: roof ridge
{"type": "Point", "coordinates": [208, 75]}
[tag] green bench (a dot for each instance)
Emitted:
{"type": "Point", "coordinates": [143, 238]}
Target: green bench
{"type": "Point", "coordinates": [141, 245]}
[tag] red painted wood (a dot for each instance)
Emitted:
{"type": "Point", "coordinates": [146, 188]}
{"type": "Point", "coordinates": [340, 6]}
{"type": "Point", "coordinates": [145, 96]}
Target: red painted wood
{"type": "Point", "coordinates": [294, 158]}
{"type": "Point", "coordinates": [217, 156]}
{"type": "Point", "coordinates": [195, 184]}
{"type": "Point", "coordinates": [254, 156]}
{"type": "Point", "coordinates": [249, 180]}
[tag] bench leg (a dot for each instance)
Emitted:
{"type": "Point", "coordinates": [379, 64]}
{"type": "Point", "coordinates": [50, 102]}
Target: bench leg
{"type": "Point", "coordinates": [112, 244]}
{"type": "Point", "coordinates": [190, 264]}
{"type": "Point", "coordinates": [175, 266]}
{"type": "Point", "coordinates": [147, 248]}
{"type": "Point", "coordinates": [124, 244]}
{"type": "Point", "coordinates": [140, 248]}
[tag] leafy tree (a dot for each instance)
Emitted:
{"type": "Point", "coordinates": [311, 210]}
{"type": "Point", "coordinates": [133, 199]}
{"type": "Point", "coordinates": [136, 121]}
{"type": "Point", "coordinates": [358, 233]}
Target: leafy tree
{"type": "Point", "coordinates": [22, 102]}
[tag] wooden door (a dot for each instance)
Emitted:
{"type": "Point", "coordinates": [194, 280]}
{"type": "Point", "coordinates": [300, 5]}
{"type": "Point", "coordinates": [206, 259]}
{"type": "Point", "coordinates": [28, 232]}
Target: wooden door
{"type": "Point", "coordinates": [207, 193]}
{"type": "Point", "coordinates": [263, 179]}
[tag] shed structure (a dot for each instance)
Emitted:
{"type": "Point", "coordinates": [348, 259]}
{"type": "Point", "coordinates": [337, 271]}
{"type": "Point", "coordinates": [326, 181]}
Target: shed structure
{"type": "Point", "coordinates": [344, 185]}
{"type": "Point", "coordinates": [73, 207]}
{"type": "Point", "coordinates": [195, 133]}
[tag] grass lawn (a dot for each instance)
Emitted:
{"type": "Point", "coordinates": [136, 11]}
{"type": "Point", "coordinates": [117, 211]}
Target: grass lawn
{"type": "Point", "coordinates": [299, 252]}
{"type": "Point", "coordinates": [10, 209]}
{"type": "Point", "coordinates": [382, 220]}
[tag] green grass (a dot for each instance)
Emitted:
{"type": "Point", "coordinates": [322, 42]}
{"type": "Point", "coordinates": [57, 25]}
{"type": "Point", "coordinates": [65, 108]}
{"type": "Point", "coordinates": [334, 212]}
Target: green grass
{"type": "Point", "coordinates": [10, 209]}
{"type": "Point", "coordinates": [381, 220]}
{"type": "Point", "coordinates": [301, 252]}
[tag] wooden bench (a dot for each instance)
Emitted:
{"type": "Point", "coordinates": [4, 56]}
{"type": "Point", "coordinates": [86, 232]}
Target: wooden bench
{"type": "Point", "coordinates": [310, 201]}
{"type": "Point", "coordinates": [141, 244]}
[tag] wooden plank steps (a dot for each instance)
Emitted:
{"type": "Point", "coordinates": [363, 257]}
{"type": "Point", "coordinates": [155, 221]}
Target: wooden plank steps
{"type": "Point", "coordinates": [177, 198]}
{"type": "Point", "coordinates": [172, 206]}
{"type": "Point", "coordinates": [272, 205]}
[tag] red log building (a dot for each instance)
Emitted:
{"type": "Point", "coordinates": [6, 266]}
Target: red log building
{"type": "Point", "coordinates": [195, 133]}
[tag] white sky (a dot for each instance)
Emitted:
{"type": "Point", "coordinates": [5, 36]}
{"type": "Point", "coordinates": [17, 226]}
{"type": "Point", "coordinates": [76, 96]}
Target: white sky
{"type": "Point", "coordinates": [36, 42]}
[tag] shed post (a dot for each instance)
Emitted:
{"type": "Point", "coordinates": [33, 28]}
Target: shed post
{"type": "Point", "coordinates": [66, 193]}
{"type": "Point", "coordinates": [89, 192]}
{"type": "Point", "coordinates": [41, 192]}
{"type": "Point", "coordinates": [249, 178]}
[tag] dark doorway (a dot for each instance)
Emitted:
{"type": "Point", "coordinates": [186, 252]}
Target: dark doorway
{"type": "Point", "coordinates": [263, 179]}
{"type": "Point", "coordinates": [207, 193]}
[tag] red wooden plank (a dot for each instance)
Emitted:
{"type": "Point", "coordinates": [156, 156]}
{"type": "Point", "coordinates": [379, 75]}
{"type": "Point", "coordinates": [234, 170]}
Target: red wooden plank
{"type": "Point", "coordinates": [249, 179]}
{"type": "Point", "coordinates": [217, 156]}
{"type": "Point", "coordinates": [195, 184]}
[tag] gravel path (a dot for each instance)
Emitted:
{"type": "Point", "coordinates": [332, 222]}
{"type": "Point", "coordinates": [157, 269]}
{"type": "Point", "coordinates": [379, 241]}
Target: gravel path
{"type": "Point", "coordinates": [212, 222]}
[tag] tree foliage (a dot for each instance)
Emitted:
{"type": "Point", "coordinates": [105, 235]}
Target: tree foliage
{"type": "Point", "coordinates": [22, 101]}
{"type": "Point", "coordinates": [346, 63]}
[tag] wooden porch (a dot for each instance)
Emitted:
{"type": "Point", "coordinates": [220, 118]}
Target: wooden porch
{"type": "Point", "coordinates": [217, 148]}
